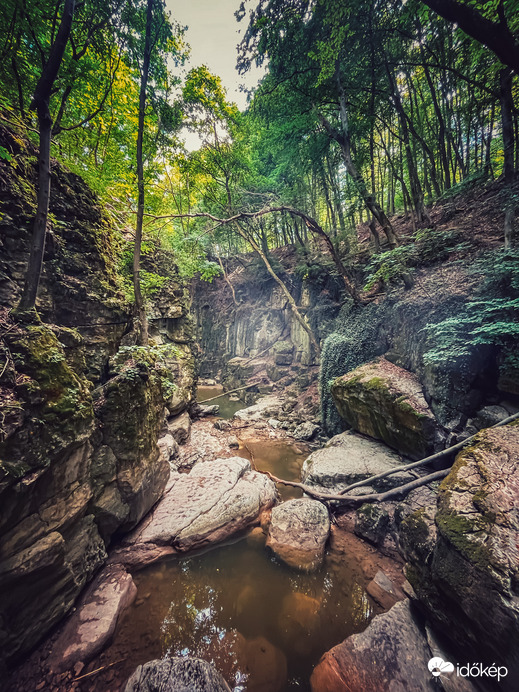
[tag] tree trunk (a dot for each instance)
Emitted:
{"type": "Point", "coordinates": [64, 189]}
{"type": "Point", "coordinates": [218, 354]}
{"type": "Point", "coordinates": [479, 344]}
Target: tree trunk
{"type": "Point", "coordinates": [141, 322]}
{"type": "Point", "coordinates": [506, 100]}
{"type": "Point", "coordinates": [40, 103]}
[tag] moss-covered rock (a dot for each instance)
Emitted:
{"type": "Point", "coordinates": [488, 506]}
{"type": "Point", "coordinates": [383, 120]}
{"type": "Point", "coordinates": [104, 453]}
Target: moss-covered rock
{"type": "Point", "coordinates": [283, 352]}
{"type": "Point", "coordinates": [385, 401]}
{"type": "Point", "coordinates": [467, 576]}
{"type": "Point", "coordinates": [130, 408]}
{"type": "Point", "coordinates": [371, 523]}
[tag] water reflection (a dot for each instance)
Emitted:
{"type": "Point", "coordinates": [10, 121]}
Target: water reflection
{"type": "Point", "coordinates": [228, 407]}
{"type": "Point", "coordinates": [261, 624]}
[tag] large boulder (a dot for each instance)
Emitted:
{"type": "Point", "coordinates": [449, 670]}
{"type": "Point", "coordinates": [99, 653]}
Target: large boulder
{"type": "Point", "coordinates": [391, 654]}
{"type": "Point", "coordinates": [386, 402]}
{"type": "Point", "coordinates": [177, 675]}
{"type": "Point", "coordinates": [298, 533]}
{"type": "Point", "coordinates": [465, 569]}
{"type": "Point", "coordinates": [214, 501]}
{"type": "Point", "coordinates": [348, 458]}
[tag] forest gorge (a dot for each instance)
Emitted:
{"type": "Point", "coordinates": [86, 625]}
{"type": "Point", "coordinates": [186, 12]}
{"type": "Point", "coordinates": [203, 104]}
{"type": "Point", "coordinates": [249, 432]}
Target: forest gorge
{"type": "Point", "coordinates": [334, 271]}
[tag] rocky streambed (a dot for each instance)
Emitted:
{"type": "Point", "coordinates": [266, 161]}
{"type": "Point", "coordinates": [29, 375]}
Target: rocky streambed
{"type": "Point", "coordinates": [275, 595]}
{"type": "Point", "coordinates": [242, 606]}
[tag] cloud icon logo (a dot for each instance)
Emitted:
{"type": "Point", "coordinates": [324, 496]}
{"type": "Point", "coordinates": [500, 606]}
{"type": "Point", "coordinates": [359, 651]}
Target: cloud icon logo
{"type": "Point", "coordinates": [438, 666]}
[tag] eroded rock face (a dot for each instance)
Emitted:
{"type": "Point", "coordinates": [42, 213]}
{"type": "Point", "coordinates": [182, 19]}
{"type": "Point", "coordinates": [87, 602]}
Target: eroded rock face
{"type": "Point", "coordinates": [466, 572]}
{"type": "Point", "coordinates": [298, 533]}
{"type": "Point", "coordinates": [391, 654]}
{"type": "Point", "coordinates": [130, 410]}
{"type": "Point", "coordinates": [348, 458]}
{"type": "Point", "coordinates": [385, 401]}
{"type": "Point", "coordinates": [70, 476]}
{"type": "Point", "coordinates": [177, 675]}
{"type": "Point", "coordinates": [209, 504]}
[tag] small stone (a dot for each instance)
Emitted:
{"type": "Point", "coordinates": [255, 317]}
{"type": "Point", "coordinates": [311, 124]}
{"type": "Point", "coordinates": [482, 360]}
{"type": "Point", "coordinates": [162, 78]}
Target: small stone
{"type": "Point", "coordinates": [306, 431]}
{"type": "Point", "coordinates": [78, 667]}
{"type": "Point", "coordinates": [233, 442]}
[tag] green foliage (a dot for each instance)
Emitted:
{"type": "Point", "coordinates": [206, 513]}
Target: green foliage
{"type": "Point", "coordinates": [388, 267]}
{"type": "Point", "coordinates": [491, 318]}
{"type": "Point", "coordinates": [432, 245]}
{"type": "Point", "coordinates": [132, 361]}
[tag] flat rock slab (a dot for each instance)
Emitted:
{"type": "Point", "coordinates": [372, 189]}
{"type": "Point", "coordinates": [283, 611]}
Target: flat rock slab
{"type": "Point", "coordinates": [93, 624]}
{"type": "Point", "coordinates": [215, 500]}
{"type": "Point", "coordinates": [177, 675]}
{"type": "Point", "coordinates": [386, 402]}
{"type": "Point", "coordinates": [391, 654]}
{"type": "Point", "coordinates": [262, 409]}
{"type": "Point", "coordinates": [348, 458]}
{"type": "Point", "coordinates": [298, 533]}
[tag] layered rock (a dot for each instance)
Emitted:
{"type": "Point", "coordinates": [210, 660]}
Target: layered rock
{"type": "Point", "coordinates": [77, 465]}
{"type": "Point", "coordinates": [391, 654]}
{"type": "Point", "coordinates": [464, 568]}
{"type": "Point", "coordinates": [386, 402]}
{"type": "Point", "coordinates": [348, 458]}
{"type": "Point", "coordinates": [298, 532]}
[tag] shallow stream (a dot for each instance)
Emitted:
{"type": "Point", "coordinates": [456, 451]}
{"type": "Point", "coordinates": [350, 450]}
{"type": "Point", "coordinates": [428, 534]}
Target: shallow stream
{"type": "Point", "coordinates": [263, 625]}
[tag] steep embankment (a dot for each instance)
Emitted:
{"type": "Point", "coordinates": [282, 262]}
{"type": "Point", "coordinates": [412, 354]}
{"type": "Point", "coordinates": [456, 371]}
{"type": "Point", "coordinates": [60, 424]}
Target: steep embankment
{"type": "Point", "coordinates": [79, 424]}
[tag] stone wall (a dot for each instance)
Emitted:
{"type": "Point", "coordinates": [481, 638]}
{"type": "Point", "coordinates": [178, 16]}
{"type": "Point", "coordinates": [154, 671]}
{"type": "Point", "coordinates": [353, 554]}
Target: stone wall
{"type": "Point", "coordinates": [261, 316]}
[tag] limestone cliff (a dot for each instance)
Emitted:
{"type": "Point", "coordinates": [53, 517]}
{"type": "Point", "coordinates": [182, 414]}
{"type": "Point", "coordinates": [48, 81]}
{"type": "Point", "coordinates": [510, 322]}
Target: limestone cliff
{"type": "Point", "coordinates": [81, 408]}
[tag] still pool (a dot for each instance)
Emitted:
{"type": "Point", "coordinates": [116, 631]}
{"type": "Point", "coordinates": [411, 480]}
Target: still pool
{"type": "Point", "coordinates": [262, 624]}
{"type": "Point", "coordinates": [227, 407]}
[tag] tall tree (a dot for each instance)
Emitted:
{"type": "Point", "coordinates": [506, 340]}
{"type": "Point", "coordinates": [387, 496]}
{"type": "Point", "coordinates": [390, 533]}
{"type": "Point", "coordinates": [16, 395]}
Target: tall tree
{"type": "Point", "coordinates": [41, 104]}
{"type": "Point", "coordinates": [493, 31]}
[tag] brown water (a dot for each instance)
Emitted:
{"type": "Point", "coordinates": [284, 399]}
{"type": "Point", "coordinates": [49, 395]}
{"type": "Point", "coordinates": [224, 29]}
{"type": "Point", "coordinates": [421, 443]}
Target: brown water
{"type": "Point", "coordinates": [280, 458]}
{"type": "Point", "coordinates": [227, 408]}
{"type": "Point", "coordinates": [263, 625]}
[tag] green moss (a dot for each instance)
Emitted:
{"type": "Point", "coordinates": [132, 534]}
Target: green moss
{"type": "Point", "coordinates": [378, 384]}
{"type": "Point", "coordinates": [466, 535]}
{"type": "Point", "coordinates": [416, 529]}
{"type": "Point", "coordinates": [40, 355]}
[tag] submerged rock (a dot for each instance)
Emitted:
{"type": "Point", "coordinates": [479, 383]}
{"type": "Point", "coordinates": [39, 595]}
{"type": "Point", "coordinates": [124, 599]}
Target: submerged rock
{"type": "Point", "coordinates": [386, 402]}
{"type": "Point", "coordinates": [212, 502]}
{"type": "Point", "coordinates": [298, 533]}
{"type": "Point", "coordinates": [348, 458]}
{"type": "Point", "coordinates": [177, 675]}
{"type": "Point", "coordinates": [391, 654]}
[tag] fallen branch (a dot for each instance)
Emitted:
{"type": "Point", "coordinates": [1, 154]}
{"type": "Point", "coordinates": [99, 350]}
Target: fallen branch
{"type": "Point", "coordinates": [343, 498]}
{"type": "Point", "coordinates": [97, 670]}
{"type": "Point", "coordinates": [422, 462]}
{"type": "Point", "coordinates": [361, 499]}
{"type": "Point", "coordinates": [231, 391]}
